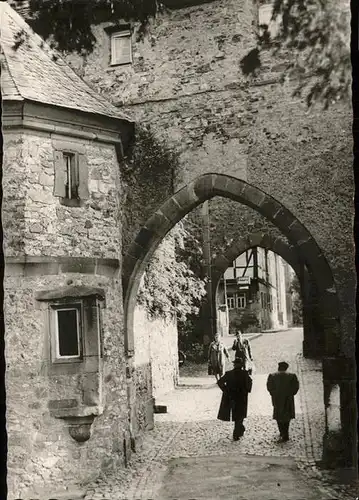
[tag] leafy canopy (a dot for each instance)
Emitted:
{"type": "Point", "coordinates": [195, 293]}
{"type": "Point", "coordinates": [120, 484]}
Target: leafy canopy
{"type": "Point", "coordinates": [169, 287]}
{"type": "Point", "coordinates": [314, 35]}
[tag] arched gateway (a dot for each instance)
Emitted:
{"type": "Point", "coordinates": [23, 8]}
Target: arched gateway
{"type": "Point", "coordinates": [312, 342]}
{"type": "Point", "coordinates": [309, 254]}
{"type": "Point", "coordinates": [203, 188]}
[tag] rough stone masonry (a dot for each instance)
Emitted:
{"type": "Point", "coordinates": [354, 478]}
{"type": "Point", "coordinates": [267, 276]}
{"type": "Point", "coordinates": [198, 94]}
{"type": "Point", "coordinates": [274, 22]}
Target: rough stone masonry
{"type": "Point", "coordinates": [185, 81]}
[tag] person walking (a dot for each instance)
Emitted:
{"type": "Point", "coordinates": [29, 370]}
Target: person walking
{"type": "Point", "coordinates": [235, 384]}
{"type": "Point", "coordinates": [282, 386]}
{"type": "Point", "coordinates": [243, 350]}
{"type": "Point", "coordinates": [217, 353]}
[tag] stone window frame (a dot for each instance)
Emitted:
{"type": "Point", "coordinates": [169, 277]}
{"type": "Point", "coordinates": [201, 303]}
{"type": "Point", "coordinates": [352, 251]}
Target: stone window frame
{"type": "Point", "coordinates": [270, 302]}
{"type": "Point", "coordinates": [78, 152]}
{"type": "Point", "coordinates": [56, 357]}
{"type": "Point", "coordinates": [240, 296]}
{"type": "Point", "coordinates": [115, 32]}
{"type": "Point", "coordinates": [91, 301]}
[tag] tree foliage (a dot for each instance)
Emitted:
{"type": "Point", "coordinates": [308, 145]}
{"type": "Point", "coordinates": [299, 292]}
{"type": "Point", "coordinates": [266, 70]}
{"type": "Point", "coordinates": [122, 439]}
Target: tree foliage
{"type": "Point", "coordinates": [169, 288]}
{"type": "Point", "coordinates": [69, 22]}
{"type": "Point", "coordinates": [314, 35]}
{"type": "Point", "coordinates": [297, 307]}
{"type": "Point", "coordinates": [147, 171]}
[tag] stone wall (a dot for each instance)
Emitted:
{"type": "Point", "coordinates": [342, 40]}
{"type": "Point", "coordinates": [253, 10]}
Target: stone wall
{"type": "Point", "coordinates": [41, 452]}
{"type": "Point", "coordinates": [45, 227]}
{"type": "Point", "coordinates": [155, 360]}
{"type": "Point", "coordinates": [186, 81]}
{"type": "Point", "coordinates": [156, 343]}
{"type": "Point", "coordinates": [43, 238]}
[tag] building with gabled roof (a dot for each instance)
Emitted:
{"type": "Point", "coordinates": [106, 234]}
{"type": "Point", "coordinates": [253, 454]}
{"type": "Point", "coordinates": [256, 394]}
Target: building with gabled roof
{"type": "Point", "coordinates": [32, 71]}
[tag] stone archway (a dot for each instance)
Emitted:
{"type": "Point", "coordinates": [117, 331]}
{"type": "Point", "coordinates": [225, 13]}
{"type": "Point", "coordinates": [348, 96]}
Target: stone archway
{"type": "Point", "coordinates": [203, 188]}
{"type": "Point", "coordinates": [312, 343]}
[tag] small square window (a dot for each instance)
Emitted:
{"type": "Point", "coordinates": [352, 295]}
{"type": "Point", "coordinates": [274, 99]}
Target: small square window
{"type": "Point", "coordinates": [121, 48]}
{"type": "Point", "coordinates": [67, 332]}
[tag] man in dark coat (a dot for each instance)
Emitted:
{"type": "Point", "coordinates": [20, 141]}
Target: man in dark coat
{"type": "Point", "coordinates": [283, 386]}
{"type": "Point", "coordinates": [235, 384]}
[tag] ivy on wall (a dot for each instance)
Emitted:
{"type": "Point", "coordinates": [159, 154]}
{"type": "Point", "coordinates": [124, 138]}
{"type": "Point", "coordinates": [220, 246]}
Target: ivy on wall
{"type": "Point", "coordinates": [171, 285]}
{"type": "Point", "coordinates": [297, 306]}
{"type": "Point", "coordinates": [147, 173]}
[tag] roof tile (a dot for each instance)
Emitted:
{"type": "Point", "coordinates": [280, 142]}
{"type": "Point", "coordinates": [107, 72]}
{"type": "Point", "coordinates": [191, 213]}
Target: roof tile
{"type": "Point", "coordinates": [31, 70]}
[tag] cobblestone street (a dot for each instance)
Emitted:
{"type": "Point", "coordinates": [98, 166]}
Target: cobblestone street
{"type": "Point", "coordinates": [191, 430]}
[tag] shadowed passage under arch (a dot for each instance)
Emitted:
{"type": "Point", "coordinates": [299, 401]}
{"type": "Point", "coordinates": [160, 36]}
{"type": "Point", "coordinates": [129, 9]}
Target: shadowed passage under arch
{"type": "Point", "coordinates": [312, 341]}
{"type": "Point", "coordinates": [204, 188]}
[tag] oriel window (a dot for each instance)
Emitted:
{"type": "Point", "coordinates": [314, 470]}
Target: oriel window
{"type": "Point", "coordinates": [67, 338]}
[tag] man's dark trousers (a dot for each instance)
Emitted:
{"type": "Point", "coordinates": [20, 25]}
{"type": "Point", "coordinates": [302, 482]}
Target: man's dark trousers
{"type": "Point", "coordinates": [238, 429]}
{"type": "Point", "coordinates": [284, 429]}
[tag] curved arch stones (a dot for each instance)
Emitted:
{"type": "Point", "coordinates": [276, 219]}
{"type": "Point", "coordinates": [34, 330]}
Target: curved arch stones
{"type": "Point", "coordinates": [312, 342]}
{"type": "Point", "coordinates": [201, 189]}
{"type": "Point", "coordinates": [277, 245]}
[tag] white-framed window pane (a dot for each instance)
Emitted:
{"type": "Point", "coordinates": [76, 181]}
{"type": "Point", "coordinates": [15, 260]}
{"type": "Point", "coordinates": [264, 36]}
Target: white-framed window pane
{"type": "Point", "coordinates": [241, 301]}
{"type": "Point", "coordinates": [230, 302]}
{"type": "Point", "coordinates": [121, 48]}
{"type": "Point", "coordinates": [68, 337]}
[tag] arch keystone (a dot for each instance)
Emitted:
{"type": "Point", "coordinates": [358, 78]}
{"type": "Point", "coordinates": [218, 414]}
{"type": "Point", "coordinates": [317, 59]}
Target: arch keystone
{"type": "Point", "coordinates": [266, 241]}
{"type": "Point", "coordinates": [220, 184]}
{"type": "Point", "coordinates": [255, 240]}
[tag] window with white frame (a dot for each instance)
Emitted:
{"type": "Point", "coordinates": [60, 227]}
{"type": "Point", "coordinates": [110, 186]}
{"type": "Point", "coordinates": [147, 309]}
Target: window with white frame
{"type": "Point", "coordinates": [231, 302]}
{"type": "Point", "coordinates": [241, 301]}
{"type": "Point", "coordinates": [121, 47]}
{"type": "Point", "coordinates": [67, 338]}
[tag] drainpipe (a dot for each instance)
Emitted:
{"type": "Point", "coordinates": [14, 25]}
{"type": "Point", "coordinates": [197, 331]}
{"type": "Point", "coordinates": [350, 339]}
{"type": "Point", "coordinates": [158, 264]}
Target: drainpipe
{"type": "Point", "coordinates": [207, 266]}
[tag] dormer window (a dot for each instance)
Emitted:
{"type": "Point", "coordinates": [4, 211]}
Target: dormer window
{"type": "Point", "coordinates": [121, 47]}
